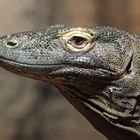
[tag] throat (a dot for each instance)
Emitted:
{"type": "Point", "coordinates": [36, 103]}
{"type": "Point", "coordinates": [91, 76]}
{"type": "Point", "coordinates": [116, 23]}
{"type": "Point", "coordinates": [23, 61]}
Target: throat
{"type": "Point", "coordinates": [83, 99]}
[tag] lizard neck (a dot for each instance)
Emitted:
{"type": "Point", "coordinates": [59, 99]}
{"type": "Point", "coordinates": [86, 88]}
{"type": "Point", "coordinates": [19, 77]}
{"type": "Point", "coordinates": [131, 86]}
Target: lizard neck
{"type": "Point", "coordinates": [97, 119]}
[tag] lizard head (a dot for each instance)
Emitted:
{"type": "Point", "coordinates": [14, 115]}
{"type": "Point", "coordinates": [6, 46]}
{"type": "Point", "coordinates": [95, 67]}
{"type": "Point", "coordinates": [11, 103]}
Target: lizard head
{"type": "Point", "coordinates": [95, 68]}
{"type": "Point", "coordinates": [105, 50]}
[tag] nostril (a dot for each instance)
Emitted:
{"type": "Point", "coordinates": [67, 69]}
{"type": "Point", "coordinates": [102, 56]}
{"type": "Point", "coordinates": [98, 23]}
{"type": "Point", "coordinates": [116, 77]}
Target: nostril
{"type": "Point", "coordinates": [11, 43]}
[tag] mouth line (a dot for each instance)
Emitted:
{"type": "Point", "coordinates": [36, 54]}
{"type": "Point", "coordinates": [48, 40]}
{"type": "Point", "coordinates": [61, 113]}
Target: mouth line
{"type": "Point", "coordinates": [113, 75]}
{"type": "Point", "coordinates": [12, 62]}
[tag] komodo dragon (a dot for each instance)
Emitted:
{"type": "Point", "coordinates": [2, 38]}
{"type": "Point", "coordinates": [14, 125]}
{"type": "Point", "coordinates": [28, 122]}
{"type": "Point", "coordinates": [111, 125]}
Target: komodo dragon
{"type": "Point", "coordinates": [97, 69]}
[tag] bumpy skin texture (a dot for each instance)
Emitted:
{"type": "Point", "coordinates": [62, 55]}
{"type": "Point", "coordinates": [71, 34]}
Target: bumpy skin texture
{"type": "Point", "coordinates": [96, 69]}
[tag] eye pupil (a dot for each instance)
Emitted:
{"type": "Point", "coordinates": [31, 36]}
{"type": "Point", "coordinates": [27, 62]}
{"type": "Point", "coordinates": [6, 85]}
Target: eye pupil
{"type": "Point", "coordinates": [78, 40]}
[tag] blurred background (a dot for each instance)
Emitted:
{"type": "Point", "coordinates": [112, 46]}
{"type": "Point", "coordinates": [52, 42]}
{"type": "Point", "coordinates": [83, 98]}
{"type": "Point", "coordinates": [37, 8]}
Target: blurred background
{"type": "Point", "coordinates": [33, 110]}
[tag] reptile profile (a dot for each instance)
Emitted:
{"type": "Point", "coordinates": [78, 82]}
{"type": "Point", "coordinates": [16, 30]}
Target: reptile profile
{"type": "Point", "coordinates": [96, 69]}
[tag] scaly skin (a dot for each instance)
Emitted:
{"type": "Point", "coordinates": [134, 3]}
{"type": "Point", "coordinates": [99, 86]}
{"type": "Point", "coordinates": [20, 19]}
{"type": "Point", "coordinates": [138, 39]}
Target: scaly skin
{"type": "Point", "coordinates": [96, 69]}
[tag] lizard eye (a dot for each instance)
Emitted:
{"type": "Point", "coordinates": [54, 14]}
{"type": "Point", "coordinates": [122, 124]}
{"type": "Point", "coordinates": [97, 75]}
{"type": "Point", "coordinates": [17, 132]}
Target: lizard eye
{"type": "Point", "coordinates": [78, 39]}
{"type": "Point", "coordinates": [78, 42]}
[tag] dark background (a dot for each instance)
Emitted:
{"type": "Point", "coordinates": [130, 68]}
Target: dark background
{"type": "Point", "coordinates": [33, 110]}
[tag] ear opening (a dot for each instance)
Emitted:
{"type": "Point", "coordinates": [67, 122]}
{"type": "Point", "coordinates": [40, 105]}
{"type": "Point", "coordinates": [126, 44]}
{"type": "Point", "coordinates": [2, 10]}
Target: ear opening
{"type": "Point", "coordinates": [129, 66]}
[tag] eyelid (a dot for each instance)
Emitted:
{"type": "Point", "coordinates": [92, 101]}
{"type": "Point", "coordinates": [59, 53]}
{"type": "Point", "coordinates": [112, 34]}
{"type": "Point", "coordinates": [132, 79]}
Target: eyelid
{"type": "Point", "coordinates": [69, 35]}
